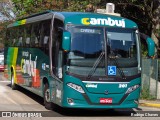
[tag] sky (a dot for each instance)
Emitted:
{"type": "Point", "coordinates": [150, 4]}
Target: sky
{"type": "Point", "coordinates": [2, 17]}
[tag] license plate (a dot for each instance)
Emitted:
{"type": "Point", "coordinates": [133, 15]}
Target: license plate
{"type": "Point", "coordinates": [105, 100]}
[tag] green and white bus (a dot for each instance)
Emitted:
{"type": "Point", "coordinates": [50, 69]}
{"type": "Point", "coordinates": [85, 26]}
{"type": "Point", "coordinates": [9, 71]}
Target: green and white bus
{"type": "Point", "coordinates": [76, 59]}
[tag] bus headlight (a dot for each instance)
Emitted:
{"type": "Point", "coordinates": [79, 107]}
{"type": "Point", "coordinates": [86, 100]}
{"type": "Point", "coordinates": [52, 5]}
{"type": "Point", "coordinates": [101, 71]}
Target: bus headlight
{"type": "Point", "coordinates": [132, 88]}
{"type": "Point", "coordinates": [76, 87]}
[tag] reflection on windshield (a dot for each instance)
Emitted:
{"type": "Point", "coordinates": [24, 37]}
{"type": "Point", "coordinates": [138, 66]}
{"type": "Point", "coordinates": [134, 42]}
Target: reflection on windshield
{"type": "Point", "coordinates": [122, 43]}
{"type": "Point", "coordinates": [87, 42]}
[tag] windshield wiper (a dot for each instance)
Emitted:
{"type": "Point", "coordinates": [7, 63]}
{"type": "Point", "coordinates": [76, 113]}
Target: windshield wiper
{"type": "Point", "coordinates": [93, 69]}
{"type": "Point", "coordinates": [117, 64]}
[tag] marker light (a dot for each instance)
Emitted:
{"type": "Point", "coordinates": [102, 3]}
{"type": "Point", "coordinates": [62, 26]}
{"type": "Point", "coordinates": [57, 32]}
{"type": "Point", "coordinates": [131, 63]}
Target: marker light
{"type": "Point", "coordinates": [76, 87]}
{"type": "Point", "coordinates": [131, 89]}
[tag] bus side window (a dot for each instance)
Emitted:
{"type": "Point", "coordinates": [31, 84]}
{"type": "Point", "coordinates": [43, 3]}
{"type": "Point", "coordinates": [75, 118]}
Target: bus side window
{"type": "Point", "coordinates": [8, 39]}
{"type": "Point", "coordinates": [57, 38]}
{"type": "Point", "coordinates": [45, 31]}
{"type": "Point", "coordinates": [13, 41]}
{"type": "Point", "coordinates": [27, 41]}
{"type": "Point", "coordinates": [15, 36]}
{"type": "Point", "coordinates": [27, 35]}
{"type": "Point", "coordinates": [46, 38]}
{"type": "Point", "coordinates": [54, 56]}
{"type": "Point", "coordinates": [35, 35]}
{"type": "Point", "coordinates": [36, 42]}
{"type": "Point", "coordinates": [57, 42]}
{"type": "Point", "coordinates": [20, 42]}
{"type": "Point", "coordinates": [20, 36]}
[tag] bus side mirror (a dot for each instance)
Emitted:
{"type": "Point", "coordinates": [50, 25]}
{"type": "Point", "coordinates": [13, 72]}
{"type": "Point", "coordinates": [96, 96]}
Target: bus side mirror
{"type": "Point", "coordinates": [66, 41]}
{"type": "Point", "coordinates": [151, 46]}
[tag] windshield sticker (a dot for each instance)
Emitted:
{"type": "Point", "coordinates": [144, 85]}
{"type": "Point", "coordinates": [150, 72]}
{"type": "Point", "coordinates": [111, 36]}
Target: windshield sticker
{"type": "Point", "coordinates": [111, 70]}
{"type": "Point", "coordinates": [78, 30]}
{"type": "Point", "coordinates": [103, 21]}
{"type": "Point", "coordinates": [87, 30]}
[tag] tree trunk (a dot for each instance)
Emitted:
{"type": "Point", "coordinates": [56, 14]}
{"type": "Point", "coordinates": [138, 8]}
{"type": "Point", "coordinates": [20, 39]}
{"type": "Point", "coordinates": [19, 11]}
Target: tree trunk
{"type": "Point", "coordinates": [156, 26]}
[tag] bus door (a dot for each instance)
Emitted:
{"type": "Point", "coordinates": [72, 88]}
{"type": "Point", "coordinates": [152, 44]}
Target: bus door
{"type": "Point", "coordinates": [57, 59]}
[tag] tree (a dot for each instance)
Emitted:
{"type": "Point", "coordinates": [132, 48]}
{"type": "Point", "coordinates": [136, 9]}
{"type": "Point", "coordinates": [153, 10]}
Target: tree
{"type": "Point", "coordinates": [146, 13]}
{"type": "Point", "coordinates": [6, 9]}
{"type": "Point", "coordinates": [27, 7]}
{"type": "Point", "coordinates": [6, 15]}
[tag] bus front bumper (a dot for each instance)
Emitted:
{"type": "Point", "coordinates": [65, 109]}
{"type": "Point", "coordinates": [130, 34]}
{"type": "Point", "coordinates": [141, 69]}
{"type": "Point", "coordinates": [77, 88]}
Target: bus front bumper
{"type": "Point", "coordinates": [89, 100]}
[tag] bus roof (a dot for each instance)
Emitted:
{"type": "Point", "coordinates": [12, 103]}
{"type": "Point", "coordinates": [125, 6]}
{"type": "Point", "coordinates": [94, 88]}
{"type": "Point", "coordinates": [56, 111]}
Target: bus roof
{"type": "Point", "coordinates": [79, 18]}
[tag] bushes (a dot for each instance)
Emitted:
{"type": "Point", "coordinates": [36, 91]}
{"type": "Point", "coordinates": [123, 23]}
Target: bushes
{"type": "Point", "coordinates": [145, 94]}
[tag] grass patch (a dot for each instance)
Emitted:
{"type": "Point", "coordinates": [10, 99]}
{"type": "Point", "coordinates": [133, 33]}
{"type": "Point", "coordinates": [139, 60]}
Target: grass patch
{"type": "Point", "coordinates": [145, 94]}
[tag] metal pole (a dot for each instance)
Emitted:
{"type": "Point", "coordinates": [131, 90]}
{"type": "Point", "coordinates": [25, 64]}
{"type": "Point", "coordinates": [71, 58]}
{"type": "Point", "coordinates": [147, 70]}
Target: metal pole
{"type": "Point", "coordinates": [157, 77]}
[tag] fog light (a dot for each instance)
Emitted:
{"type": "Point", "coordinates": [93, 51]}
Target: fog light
{"type": "Point", "coordinates": [70, 101]}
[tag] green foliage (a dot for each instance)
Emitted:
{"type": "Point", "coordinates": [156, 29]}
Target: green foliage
{"type": "Point", "coordinates": [3, 27]}
{"type": "Point", "coordinates": [144, 50]}
{"type": "Point", "coordinates": [145, 94]}
{"type": "Point", "coordinates": [80, 5]}
{"type": "Point", "coordinates": [77, 6]}
{"type": "Point", "coordinates": [27, 7]}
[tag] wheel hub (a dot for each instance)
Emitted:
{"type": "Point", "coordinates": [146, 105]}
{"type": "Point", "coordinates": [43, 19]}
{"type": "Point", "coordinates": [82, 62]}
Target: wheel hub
{"type": "Point", "coordinates": [47, 95]}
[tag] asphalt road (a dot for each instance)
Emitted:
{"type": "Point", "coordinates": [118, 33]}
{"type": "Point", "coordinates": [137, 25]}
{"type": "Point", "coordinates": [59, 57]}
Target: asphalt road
{"type": "Point", "coordinates": [23, 101]}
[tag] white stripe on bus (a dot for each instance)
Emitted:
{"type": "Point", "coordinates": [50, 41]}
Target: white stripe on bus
{"type": "Point", "coordinates": [103, 82]}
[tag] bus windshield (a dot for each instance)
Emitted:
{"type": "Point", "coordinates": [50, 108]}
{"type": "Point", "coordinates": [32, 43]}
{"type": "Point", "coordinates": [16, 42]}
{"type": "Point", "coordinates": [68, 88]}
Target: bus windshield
{"type": "Point", "coordinates": [122, 43]}
{"type": "Point", "coordinates": [88, 43]}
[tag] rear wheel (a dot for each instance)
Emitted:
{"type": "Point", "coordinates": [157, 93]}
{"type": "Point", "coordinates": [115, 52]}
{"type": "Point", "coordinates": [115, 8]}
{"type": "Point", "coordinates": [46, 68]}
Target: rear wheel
{"type": "Point", "coordinates": [47, 96]}
{"type": "Point", "coordinates": [13, 85]}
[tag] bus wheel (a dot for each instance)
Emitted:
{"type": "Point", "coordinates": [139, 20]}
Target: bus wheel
{"type": "Point", "coordinates": [13, 85]}
{"type": "Point", "coordinates": [48, 105]}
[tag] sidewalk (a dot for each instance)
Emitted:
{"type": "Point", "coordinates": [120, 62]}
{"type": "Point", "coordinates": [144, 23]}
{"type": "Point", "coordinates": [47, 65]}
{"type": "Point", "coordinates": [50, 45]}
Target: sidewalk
{"type": "Point", "coordinates": [150, 103]}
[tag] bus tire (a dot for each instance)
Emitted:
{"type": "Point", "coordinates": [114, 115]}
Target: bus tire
{"type": "Point", "coordinates": [13, 85]}
{"type": "Point", "coordinates": [48, 105]}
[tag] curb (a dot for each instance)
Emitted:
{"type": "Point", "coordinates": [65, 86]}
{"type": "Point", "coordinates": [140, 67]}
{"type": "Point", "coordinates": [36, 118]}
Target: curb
{"type": "Point", "coordinates": [150, 105]}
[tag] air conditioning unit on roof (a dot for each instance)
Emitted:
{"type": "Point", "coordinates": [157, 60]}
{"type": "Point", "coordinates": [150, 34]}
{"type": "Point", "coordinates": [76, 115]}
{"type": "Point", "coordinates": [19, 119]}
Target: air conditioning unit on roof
{"type": "Point", "coordinates": [110, 7]}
